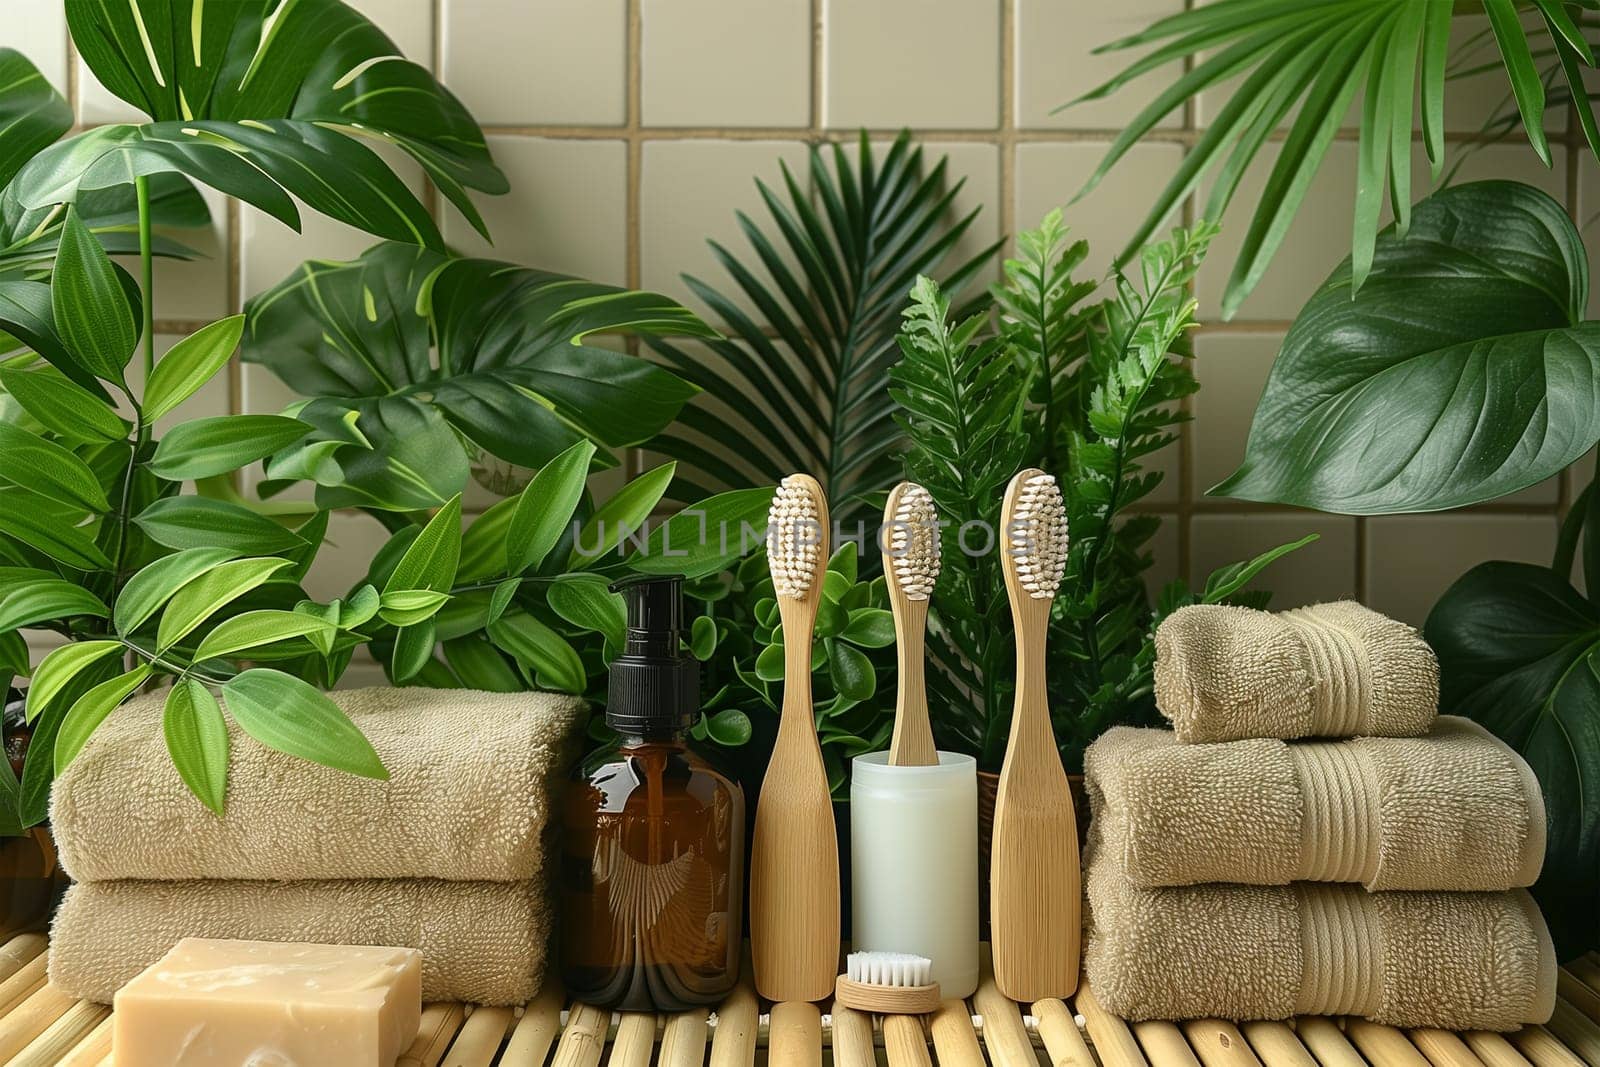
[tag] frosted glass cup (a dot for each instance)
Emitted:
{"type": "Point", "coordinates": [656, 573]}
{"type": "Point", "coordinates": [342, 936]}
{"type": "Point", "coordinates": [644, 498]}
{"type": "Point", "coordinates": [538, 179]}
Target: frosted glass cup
{"type": "Point", "coordinates": [914, 864]}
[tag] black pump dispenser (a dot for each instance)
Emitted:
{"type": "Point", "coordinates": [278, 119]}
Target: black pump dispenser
{"type": "Point", "coordinates": [655, 683]}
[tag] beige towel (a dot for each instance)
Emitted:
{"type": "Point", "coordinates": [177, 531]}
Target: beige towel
{"type": "Point", "coordinates": [1330, 670]}
{"type": "Point", "coordinates": [481, 942]}
{"type": "Point", "coordinates": [1456, 961]}
{"type": "Point", "coordinates": [468, 797]}
{"type": "Point", "coordinates": [1455, 810]}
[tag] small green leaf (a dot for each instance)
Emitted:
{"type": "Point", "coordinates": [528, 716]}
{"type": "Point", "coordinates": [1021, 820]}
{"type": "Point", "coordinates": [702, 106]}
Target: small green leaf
{"type": "Point", "coordinates": [197, 522]}
{"type": "Point", "coordinates": [501, 598]}
{"type": "Point", "coordinates": [256, 628]}
{"type": "Point", "coordinates": [431, 560]}
{"type": "Point", "coordinates": [154, 584]}
{"type": "Point", "coordinates": [1226, 581]}
{"type": "Point", "coordinates": [198, 600]}
{"type": "Point", "coordinates": [407, 607]}
{"type": "Point", "coordinates": [843, 562]}
{"type": "Point", "coordinates": [540, 649]}
{"type": "Point", "coordinates": [90, 306]}
{"type": "Point", "coordinates": [703, 638]}
{"type": "Point", "coordinates": [190, 364]}
{"type": "Point", "coordinates": [206, 447]}
{"type": "Point", "coordinates": [286, 714]}
{"type": "Point", "coordinates": [851, 671]}
{"type": "Point", "coordinates": [47, 599]}
{"type": "Point", "coordinates": [362, 606]}
{"type": "Point", "coordinates": [870, 628]}
{"type": "Point", "coordinates": [769, 664]}
{"type": "Point", "coordinates": [90, 710]}
{"type": "Point", "coordinates": [707, 537]}
{"type": "Point", "coordinates": [729, 727]}
{"type": "Point", "coordinates": [586, 601]}
{"type": "Point", "coordinates": [60, 667]}
{"type": "Point", "coordinates": [831, 618]}
{"type": "Point", "coordinates": [480, 666]}
{"type": "Point", "coordinates": [63, 407]}
{"type": "Point", "coordinates": [197, 740]}
{"type": "Point", "coordinates": [413, 647]}
{"type": "Point", "coordinates": [545, 507]}
{"type": "Point", "coordinates": [621, 516]}
{"type": "Point", "coordinates": [36, 522]}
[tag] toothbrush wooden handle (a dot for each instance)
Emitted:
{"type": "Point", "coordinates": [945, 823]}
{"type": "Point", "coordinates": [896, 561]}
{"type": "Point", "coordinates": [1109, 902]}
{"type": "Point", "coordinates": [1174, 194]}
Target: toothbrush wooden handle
{"type": "Point", "coordinates": [912, 744]}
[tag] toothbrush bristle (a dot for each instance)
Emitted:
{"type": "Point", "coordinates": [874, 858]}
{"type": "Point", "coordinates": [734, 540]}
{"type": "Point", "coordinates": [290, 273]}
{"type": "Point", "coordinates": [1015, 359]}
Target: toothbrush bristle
{"type": "Point", "coordinates": [1037, 536]}
{"type": "Point", "coordinates": [794, 538]}
{"type": "Point", "coordinates": [914, 542]}
{"type": "Point", "coordinates": [888, 968]}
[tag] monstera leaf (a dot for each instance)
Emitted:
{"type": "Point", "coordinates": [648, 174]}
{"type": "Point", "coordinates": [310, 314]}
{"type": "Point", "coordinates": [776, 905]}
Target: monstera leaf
{"type": "Point", "coordinates": [262, 100]}
{"type": "Point", "coordinates": [1519, 651]}
{"type": "Point", "coordinates": [512, 376]}
{"type": "Point", "coordinates": [1462, 370]}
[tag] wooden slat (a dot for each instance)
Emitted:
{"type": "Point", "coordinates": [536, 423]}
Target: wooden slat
{"type": "Point", "coordinates": [904, 1042]}
{"type": "Point", "coordinates": [738, 1023]}
{"type": "Point", "coordinates": [635, 1040]}
{"type": "Point", "coordinates": [1384, 1046]}
{"type": "Point", "coordinates": [20, 950]}
{"type": "Point", "coordinates": [1444, 1049]}
{"type": "Point", "coordinates": [1578, 993]}
{"type": "Point", "coordinates": [1577, 1031]}
{"type": "Point", "coordinates": [1587, 971]}
{"type": "Point", "coordinates": [1277, 1045]}
{"type": "Point", "coordinates": [1327, 1042]}
{"type": "Point", "coordinates": [94, 1047]}
{"type": "Point", "coordinates": [1164, 1044]}
{"type": "Point", "coordinates": [1219, 1043]}
{"type": "Point", "coordinates": [22, 984]}
{"type": "Point", "coordinates": [1493, 1049]}
{"type": "Point", "coordinates": [584, 1039]}
{"type": "Point", "coordinates": [1004, 1036]}
{"type": "Point", "coordinates": [1113, 1041]}
{"type": "Point", "coordinates": [29, 1019]}
{"type": "Point", "coordinates": [852, 1038]}
{"type": "Point", "coordinates": [479, 1039]}
{"type": "Point", "coordinates": [794, 1036]}
{"type": "Point", "coordinates": [1059, 1030]}
{"type": "Point", "coordinates": [1542, 1049]}
{"type": "Point", "coordinates": [439, 1025]}
{"type": "Point", "coordinates": [61, 1036]}
{"type": "Point", "coordinates": [955, 1042]}
{"type": "Point", "coordinates": [536, 1031]}
{"type": "Point", "coordinates": [683, 1042]}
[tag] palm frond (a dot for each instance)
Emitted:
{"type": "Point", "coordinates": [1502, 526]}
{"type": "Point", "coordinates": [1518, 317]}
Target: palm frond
{"type": "Point", "coordinates": [1308, 59]}
{"type": "Point", "coordinates": [798, 382]}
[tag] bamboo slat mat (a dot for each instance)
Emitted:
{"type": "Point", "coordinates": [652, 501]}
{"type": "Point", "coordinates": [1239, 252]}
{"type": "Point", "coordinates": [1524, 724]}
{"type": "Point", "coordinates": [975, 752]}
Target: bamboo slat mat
{"type": "Point", "coordinates": [40, 1026]}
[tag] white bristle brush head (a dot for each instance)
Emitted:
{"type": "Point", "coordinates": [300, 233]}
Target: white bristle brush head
{"type": "Point", "coordinates": [1036, 538]}
{"type": "Point", "coordinates": [913, 542]}
{"type": "Point", "coordinates": [794, 537]}
{"type": "Point", "coordinates": [888, 969]}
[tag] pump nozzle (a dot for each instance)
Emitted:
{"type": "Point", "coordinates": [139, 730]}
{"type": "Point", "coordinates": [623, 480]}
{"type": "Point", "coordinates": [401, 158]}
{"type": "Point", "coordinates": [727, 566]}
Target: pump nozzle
{"type": "Point", "coordinates": [655, 684]}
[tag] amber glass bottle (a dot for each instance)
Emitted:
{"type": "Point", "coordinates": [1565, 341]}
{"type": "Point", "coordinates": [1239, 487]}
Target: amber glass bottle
{"type": "Point", "coordinates": [652, 873]}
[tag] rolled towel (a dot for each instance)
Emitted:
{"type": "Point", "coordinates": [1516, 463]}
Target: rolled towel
{"type": "Point", "coordinates": [1454, 810]}
{"type": "Point", "coordinates": [1455, 961]}
{"type": "Point", "coordinates": [1329, 670]}
{"type": "Point", "coordinates": [471, 780]}
{"type": "Point", "coordinates": [481, 942]}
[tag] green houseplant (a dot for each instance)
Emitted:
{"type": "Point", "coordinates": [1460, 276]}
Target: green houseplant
{"type": "Point", "coordinates": [1467, 349]}
{"type": "Point", "coordinates": [1318, 55]}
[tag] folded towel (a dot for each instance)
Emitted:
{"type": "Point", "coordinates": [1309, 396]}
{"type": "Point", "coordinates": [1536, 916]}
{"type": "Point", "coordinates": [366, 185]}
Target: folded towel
{"type": "Point", "coordinates": [471, 777]}
{"type": "Point", "coordinates": [1456, 961]}
{"type": "Point", "coordinates": [481, 942]}
{"type": "Point", "coordinates": [1330, 670]}
{"type": "Point", "coordinates": [1455, 810]}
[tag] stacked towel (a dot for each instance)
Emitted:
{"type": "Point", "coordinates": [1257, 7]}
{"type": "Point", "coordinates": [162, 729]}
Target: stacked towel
{"type": "Point", "coordinates": [1221, 875]}
{"type": "Point", "coordinates": [448, 856]}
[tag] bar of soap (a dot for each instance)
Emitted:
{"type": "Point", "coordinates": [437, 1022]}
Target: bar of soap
{"type": "Point", "coordinates": [213, 1003]}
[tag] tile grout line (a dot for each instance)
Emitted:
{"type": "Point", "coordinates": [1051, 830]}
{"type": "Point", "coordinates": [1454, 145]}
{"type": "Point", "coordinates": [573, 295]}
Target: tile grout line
{"type": "Point", "coordinates": [818, 71]}
{"type": "Point", "coordinates": [633, 458]}
{"type": "Point", "coordinates": [1184, 520]}
{"type": "Point", "coordinates": [1006, 139]}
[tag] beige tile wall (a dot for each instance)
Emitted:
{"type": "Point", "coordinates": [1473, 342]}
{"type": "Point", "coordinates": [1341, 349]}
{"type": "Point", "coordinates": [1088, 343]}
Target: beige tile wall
{"type": "Point", "coordinates": [631, 131]}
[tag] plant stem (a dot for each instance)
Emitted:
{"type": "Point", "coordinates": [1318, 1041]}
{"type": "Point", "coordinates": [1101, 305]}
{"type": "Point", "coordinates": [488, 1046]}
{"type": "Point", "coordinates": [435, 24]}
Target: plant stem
{"type": "Point", "coordinates": [147, 267]}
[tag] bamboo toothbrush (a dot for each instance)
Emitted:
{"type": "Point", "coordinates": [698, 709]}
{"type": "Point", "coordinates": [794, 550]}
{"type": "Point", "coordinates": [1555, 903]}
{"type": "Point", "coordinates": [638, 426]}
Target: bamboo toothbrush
{"type": "Point", "coordinates": [794, 859]}
{"type": "Point", "coordinates": [1034, 880]}
{"type": "Point", "coordinates": [911, 548]}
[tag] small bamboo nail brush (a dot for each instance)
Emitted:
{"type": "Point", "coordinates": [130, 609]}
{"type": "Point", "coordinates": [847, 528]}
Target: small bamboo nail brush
{"type": "Point", "coordinates": [911, 551]}
{"type": "Point", "coordinates": [1034, 879]}
{"type": "Point", "coordinates": [794, 859]}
